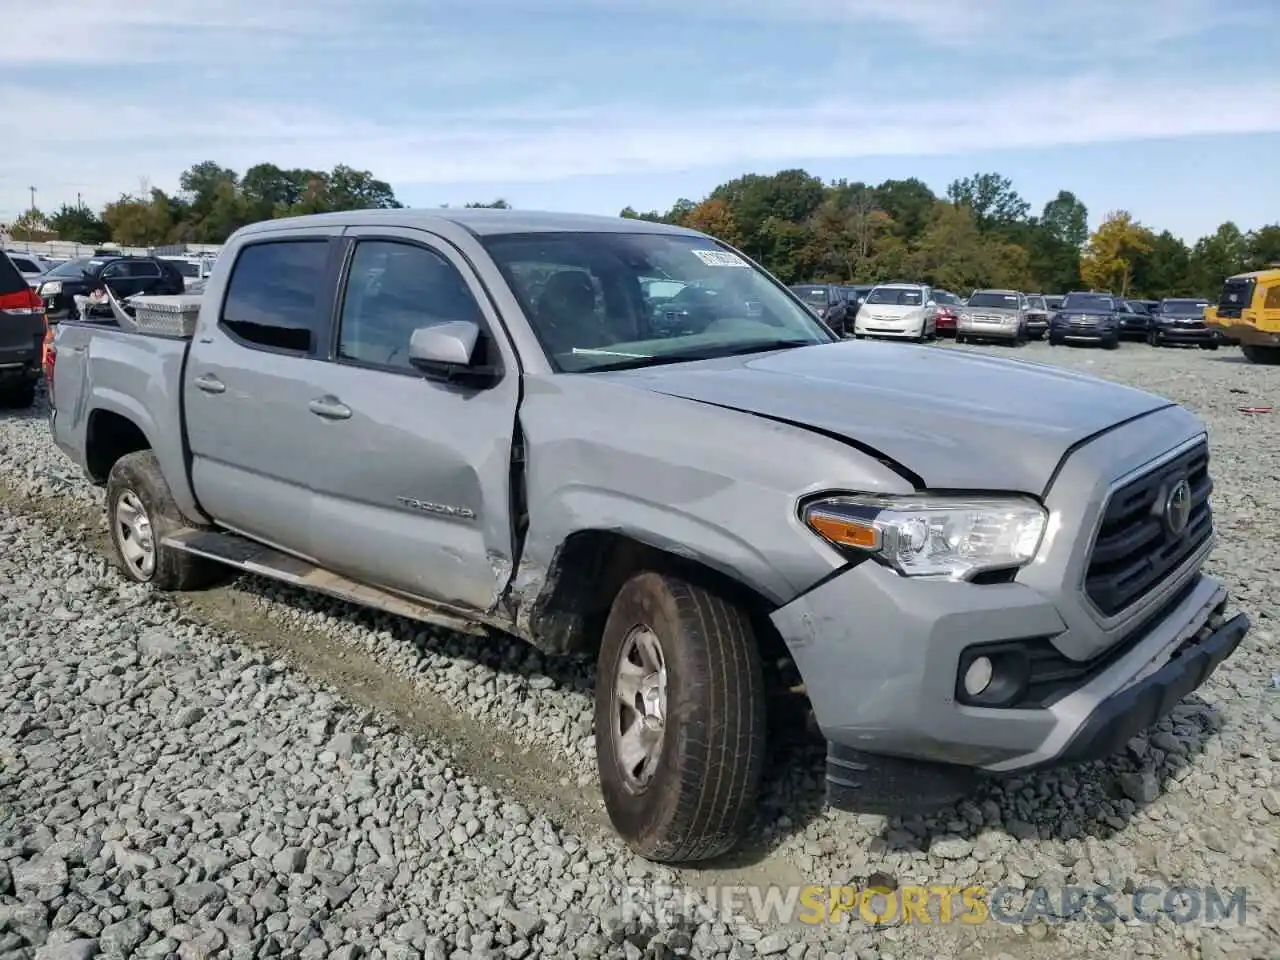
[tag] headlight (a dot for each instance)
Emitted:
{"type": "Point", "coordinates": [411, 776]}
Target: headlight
{"type": "Point", "coordinates": [948, 538]}
{"type": "Point", "coordinates": [52, 288]}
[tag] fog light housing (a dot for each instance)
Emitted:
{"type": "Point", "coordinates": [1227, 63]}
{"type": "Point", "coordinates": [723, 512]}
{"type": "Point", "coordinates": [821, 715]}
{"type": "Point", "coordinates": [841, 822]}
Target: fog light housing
{"type": "Point", "coordinates": [978, 677]}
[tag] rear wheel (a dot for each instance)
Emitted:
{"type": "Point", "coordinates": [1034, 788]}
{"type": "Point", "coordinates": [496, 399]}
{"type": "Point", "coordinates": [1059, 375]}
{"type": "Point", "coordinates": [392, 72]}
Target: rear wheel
{"type": "Point", "coordinates": [679, 719]}
{"type": "Point", "coordinates": [20, 395]}
{"type": "Point", "coordinates": [1266, 356]}
{"type": "Point", "coordinates": [1209, 345]}
{"type": "Point", "coordinates": [1111, 344]}
{"type": "Point", "coordinates": [140, 514]}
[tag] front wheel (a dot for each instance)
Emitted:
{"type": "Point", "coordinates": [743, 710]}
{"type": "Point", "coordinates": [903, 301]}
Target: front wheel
{"type": "Point", "coordinates": [1266, 356]}
{"type": "Point", "coordinates": [679, 719]}
{"type": "Point", "coordinates": [1153, 338]}
{"type": "Point", "coordinates": [140, 513]}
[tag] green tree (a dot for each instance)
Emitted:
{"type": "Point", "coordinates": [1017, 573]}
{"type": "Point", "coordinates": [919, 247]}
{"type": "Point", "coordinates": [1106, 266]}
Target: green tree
{"type": "Point", "coordinates": [1162, 271]}
{"type": "Point", "coordinates": [996, 205]}
{"type": "Point", "coordinates": [498, 204]}
{"type": "Point", "coordinates": [909, 204]}
{"type": "Point", "coordinates": [79, 224]}
{"type": "Point", "coordinates": [1264, 246]}
{"type": "Point", "coordinates": [138, 222]}
{"type": "Point", "coordinates": [1216, 257]}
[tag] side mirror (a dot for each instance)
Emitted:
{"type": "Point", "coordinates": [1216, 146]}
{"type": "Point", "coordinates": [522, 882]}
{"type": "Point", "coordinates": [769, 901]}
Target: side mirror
{"type": "Point", "coordinates": [447, 351]}
{"type": "Point", "coordinates": [444, 344]}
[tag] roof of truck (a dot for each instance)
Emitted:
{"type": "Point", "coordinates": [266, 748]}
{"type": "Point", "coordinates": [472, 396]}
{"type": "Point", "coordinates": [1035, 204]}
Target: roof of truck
{"type": "Point", "coordinates": [482, 221]}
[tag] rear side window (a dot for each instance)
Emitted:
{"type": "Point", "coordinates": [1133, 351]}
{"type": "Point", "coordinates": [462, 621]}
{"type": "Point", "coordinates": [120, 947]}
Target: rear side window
{"type": "Point", "coordinates": [11, 281]}
{"type": "Point", "coordinates": [25, 265]}
{"type": "Point", "coordinates": [273, 298]}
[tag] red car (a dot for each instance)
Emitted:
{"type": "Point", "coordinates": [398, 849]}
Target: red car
{"type": "Point", "coordinates": [948, 307]}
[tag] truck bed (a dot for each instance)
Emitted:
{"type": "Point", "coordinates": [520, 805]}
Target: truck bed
{"type": "Point", "coordinates": [137, 376]}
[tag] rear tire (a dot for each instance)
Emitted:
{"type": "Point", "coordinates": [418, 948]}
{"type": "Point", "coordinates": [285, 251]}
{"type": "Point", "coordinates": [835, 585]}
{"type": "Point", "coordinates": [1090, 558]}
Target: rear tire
{"type": "Point", "coordinates": [140, 513]}
{"type": "Point", "coordinates": [692, 793]}
{"type": "Point", "coordinates": [1112, 344]}
{"type": "Point", "coordinates": [1211, 345]}
{"type": "Point", "coordinates": [18, 396]}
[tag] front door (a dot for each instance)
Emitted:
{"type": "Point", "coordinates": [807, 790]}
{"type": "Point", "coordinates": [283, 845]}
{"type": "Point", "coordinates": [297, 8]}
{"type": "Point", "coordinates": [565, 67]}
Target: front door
{"type": "Point", "coordinates": [249, 383]}
{"type": "Point", "coordinates": [414, 490]}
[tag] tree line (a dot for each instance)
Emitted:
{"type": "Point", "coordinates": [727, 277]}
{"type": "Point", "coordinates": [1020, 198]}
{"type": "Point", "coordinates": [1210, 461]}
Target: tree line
{"type": "Point", "coordinates": [980, 233]}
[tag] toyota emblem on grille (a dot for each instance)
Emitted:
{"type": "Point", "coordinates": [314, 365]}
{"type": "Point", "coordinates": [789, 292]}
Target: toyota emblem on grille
{"type": "Point", "coordinates": [1177, 508]}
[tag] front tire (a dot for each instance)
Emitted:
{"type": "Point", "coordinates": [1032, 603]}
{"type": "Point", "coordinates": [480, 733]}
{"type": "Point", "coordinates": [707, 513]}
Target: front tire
{"type": "Point", "coordinates": [679, 719]}
{"type": "Point", "coordinates": [140, 513]}
{"type": "Point", "coordinates": [1265, 356]}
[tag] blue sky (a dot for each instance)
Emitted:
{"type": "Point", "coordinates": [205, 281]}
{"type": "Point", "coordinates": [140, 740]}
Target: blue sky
{"type": "Point", "coordinates": [1168, 108]}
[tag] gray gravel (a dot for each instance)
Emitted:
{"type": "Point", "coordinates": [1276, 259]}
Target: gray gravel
{"type": "Point", "coordinates": [166, 789]}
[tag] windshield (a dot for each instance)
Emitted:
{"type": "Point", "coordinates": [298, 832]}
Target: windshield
{"type": "Point", "coordinates": [1184, 308]}
{"type": "Point", "coordinates": [815, 295]}
{"type": "Point", "coordinates": [946, 299]}
{"type": "Point", "coordinates": [73, 268]}
{"type": "Point", "coordinates": [1036, 303]}
{"type": "Point", "coordinates": [187, 268]}
{"type": "Point", "coordinates": [1003, 301]}
{"type": "Point", "coordinates": [585, 297]}
{"type": "Point", "coordinates": [1088, 301]}
{"type": "Point", "coordinates": [896, 296]}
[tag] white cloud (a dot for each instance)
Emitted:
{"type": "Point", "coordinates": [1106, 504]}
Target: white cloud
{"type": "Point", "coordinates": [518, 145]}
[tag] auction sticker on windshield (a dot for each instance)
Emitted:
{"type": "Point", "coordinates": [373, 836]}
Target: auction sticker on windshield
{"type": "Point", "coordinates": [719, 258]}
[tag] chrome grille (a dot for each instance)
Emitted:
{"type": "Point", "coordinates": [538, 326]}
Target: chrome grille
{"type": "Point", "coordinates": [1134, 551]}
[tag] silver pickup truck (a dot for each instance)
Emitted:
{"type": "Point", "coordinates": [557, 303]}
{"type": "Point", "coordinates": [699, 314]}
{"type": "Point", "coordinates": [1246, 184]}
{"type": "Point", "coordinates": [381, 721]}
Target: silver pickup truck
{"type": "Point", "coordinates": [472, 418]}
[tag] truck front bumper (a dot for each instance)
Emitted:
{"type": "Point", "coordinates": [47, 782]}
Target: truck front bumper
{"type": "Point", "coordinates": [881, 655]}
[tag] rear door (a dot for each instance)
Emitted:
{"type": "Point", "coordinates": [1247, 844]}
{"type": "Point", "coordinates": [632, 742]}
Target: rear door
{"type": "Point", "coordinates": [413, 492]}
{"type": "Point", "coordinates": [21, 319]}
{"type": "Point", "coordinates": [249, 381]}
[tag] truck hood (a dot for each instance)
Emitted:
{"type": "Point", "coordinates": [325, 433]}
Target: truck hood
{"type": "Point", "coordinates": [956, 420]}
{"type": "Point", "coordinates": [992, 311]}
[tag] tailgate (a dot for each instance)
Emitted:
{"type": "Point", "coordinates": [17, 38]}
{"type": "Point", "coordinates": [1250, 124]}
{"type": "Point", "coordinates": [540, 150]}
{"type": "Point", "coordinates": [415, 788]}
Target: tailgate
{"type": "Point", "coordinates": [21, 321]}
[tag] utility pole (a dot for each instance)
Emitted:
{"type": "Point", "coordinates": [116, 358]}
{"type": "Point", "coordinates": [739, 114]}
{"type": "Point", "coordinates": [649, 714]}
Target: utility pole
{"type": "Point", "coordinates": [33, 197]}
{"type": "Point", "coordinates": [79, 202]}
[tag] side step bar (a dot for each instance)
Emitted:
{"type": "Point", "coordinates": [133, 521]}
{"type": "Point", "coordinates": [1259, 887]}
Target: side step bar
{"type": "Point", "coordinates": [244, 554]}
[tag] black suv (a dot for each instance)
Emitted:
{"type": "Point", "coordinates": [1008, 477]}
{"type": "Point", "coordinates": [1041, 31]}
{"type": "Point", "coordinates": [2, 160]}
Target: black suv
{"type": "Point", "coordinates": [125, 276]}
{"type": "Point", "coordinates": [21, 337]}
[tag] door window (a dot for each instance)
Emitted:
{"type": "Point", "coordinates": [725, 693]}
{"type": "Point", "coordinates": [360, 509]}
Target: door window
{"type": "Point", "coordinates": [141, 270]}
{"type": "Point", "coordinates": [275, 295]}
{"type": "Point", "coordinates": [392, 290]}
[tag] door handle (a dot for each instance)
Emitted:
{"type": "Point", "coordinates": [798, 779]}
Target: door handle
{"type": "Point", "coordinates": [331, 408]}
{"type": "Point", "coordinates": [210, 384]}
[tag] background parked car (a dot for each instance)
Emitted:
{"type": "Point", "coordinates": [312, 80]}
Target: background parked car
{"type": "Point", "coordinates": [21, 337]}
{"type": "Point", "coordinates": [993, 315]}
{"type": "Point", "coordinates": [898, 311]}
{"type": "Point", "coordinates": [1086, 318]}
{"type": "Point", "coordinates": [1135, 321]}
{"type": "Point", "coordinates": [949, 306]}
{"type": "Point", "coordinates": [193, 269]}
{"type": "Point", "coordinates": [1037, 315]}
{"type": "Point", "coordinates": [1182, 322]}
{"type": "Point", "coordinates": [29, 265]}
{"type": "Point", "coordinates": [829, 301]}
{"type": "Point", "coordinates": [1053, 301]}
{"type": "Point", "coordinates": [126, 276]}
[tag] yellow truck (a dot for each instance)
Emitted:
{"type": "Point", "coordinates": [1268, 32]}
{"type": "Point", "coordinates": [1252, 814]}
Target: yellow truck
{"type": "Point", "coordinates": [1248, 311]}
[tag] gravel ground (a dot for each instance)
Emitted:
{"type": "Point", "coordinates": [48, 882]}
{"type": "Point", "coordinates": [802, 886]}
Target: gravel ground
{"type": "Point", "coordinates": [170, 786]}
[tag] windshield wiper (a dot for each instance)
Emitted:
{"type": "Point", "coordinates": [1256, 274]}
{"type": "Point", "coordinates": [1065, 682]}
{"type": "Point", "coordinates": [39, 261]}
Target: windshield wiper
{"type": "Point", "coordinates": [706, 353]}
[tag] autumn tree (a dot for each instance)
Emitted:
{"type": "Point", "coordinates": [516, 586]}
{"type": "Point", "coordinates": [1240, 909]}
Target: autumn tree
{"type": "Point", "coordinates": [715, 218]}
{"type": "Point", "coordinates": [31, 225]}
{"type": "Point", "coordinates": [1111, 252]}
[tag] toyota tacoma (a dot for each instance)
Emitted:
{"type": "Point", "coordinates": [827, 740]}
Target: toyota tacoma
{"type": "Point", "coordinates": [467, 418]}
